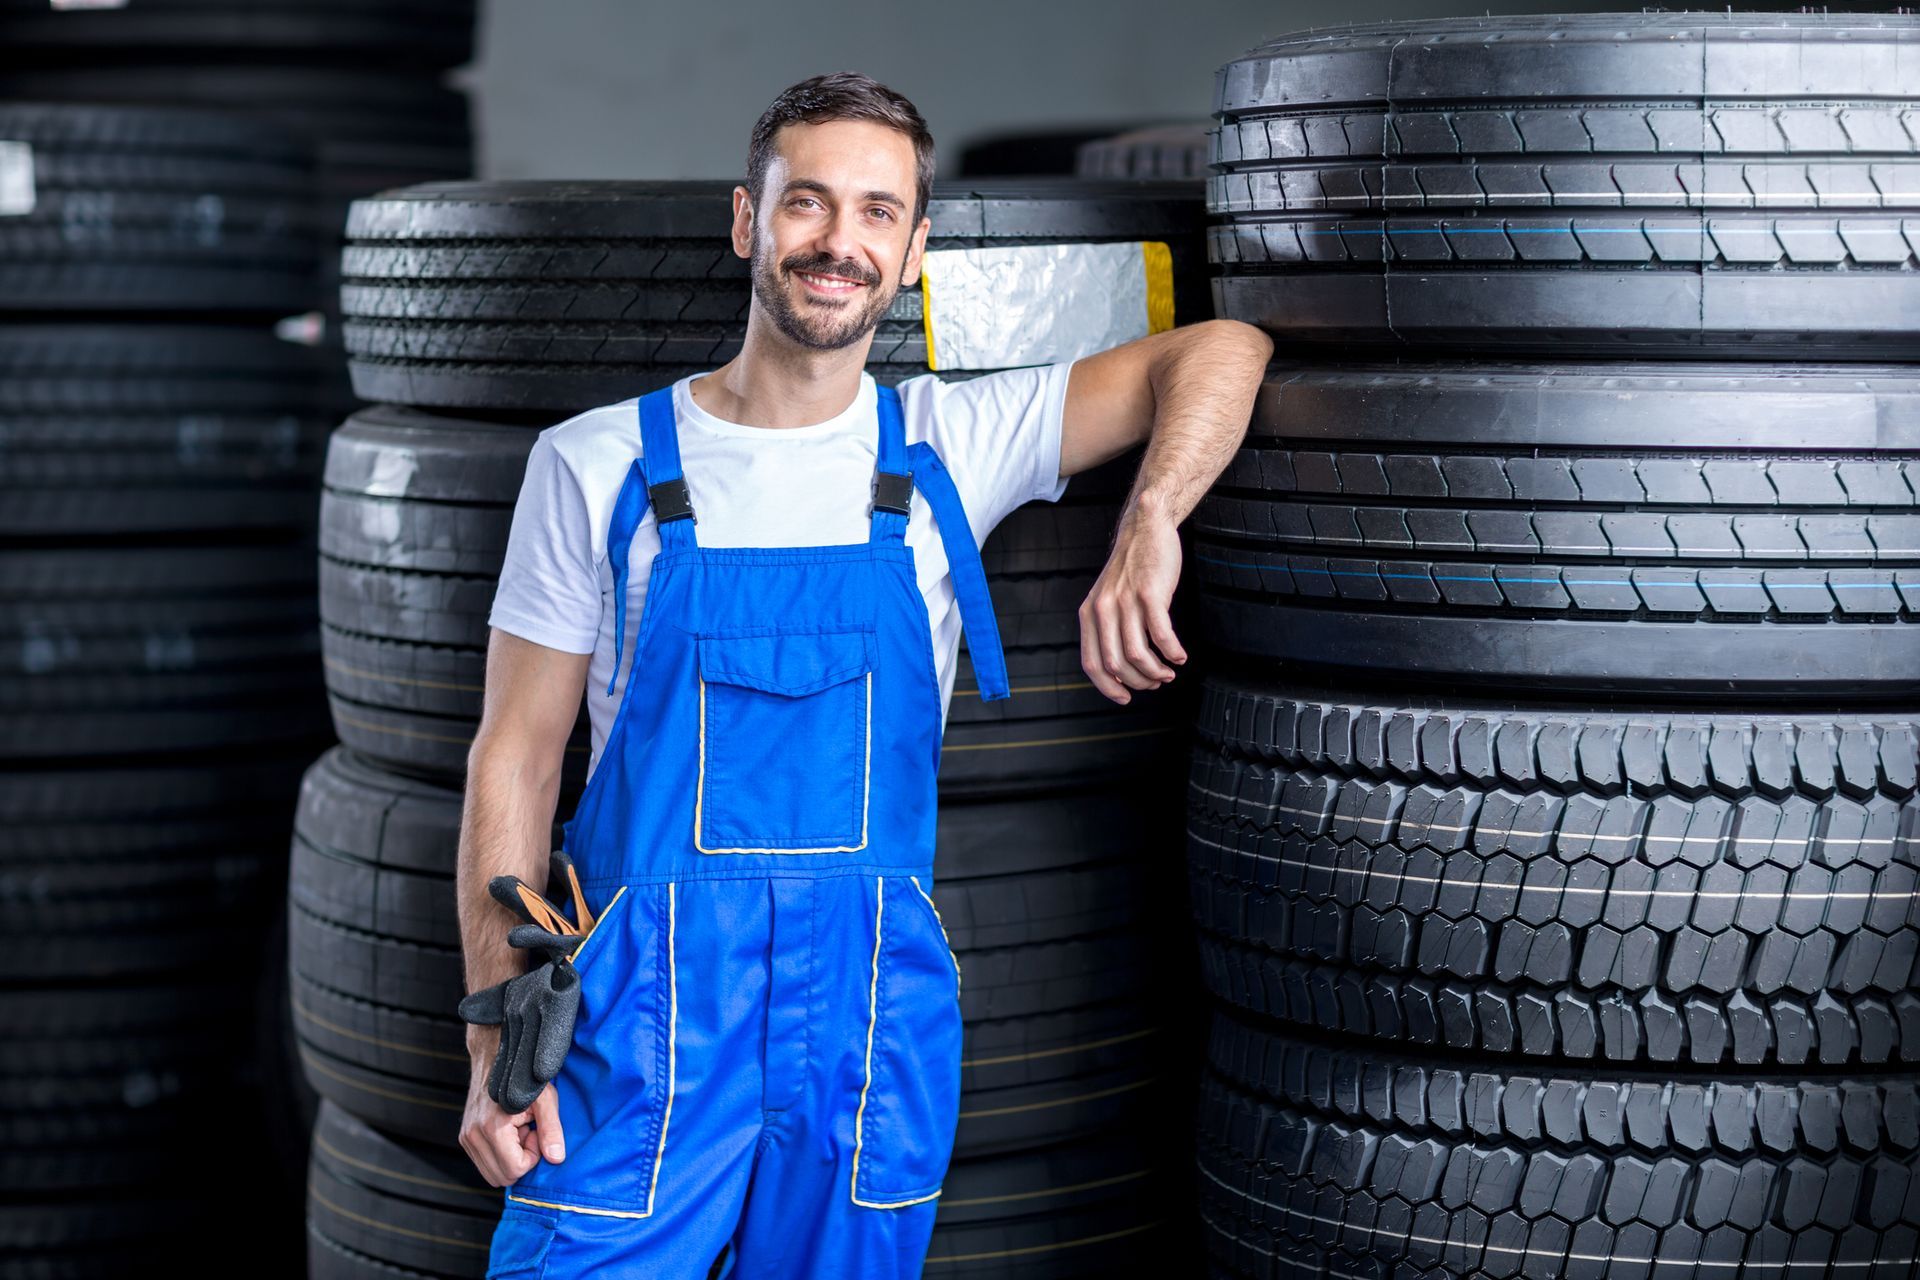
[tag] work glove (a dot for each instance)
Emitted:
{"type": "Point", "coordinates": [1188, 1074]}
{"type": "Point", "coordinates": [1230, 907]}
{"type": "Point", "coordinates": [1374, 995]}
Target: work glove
{"type": "Point", "coordinates": [535, 1010]}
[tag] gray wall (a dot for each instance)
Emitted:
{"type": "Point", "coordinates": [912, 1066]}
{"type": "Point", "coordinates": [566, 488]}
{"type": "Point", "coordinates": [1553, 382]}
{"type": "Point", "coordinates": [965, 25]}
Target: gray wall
{"type": "Point", "coordinates": [652, 89]}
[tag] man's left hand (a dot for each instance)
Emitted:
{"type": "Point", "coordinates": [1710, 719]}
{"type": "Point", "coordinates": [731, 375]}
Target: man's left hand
{"type": "Point", "coordinates": [1126, 635]}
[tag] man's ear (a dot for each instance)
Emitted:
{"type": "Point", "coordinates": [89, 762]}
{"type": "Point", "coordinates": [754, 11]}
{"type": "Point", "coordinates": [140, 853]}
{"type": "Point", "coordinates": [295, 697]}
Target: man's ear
{"type": "Point", "coordinates": [742, 223]}
{"type": "Point", "coordinates": [916, 250]}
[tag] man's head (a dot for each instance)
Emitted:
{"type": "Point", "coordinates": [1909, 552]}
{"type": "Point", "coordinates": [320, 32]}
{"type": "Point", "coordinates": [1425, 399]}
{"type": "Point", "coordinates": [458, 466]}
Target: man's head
{"type": "Point", "coordinates": [833, 213]}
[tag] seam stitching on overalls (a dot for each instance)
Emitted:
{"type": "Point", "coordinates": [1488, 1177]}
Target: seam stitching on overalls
{"type": "Point", "coordinates": [673, 1034]}
{"type": "Point", "coordinates": [873, 1010]}
{"type": "Point", "coordinates": [866, 786]}
{"type": "Point", "coordinates": [594, 928]}
{"type": "Point", "coordinates": [943, 932]}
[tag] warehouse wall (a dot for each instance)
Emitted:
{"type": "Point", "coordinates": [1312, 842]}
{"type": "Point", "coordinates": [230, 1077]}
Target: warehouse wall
{"type": "Point", "coordinates": [630, 89]}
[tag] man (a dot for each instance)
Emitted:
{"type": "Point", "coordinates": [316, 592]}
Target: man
{"type": "Point", "coordinates": [766, 1051]}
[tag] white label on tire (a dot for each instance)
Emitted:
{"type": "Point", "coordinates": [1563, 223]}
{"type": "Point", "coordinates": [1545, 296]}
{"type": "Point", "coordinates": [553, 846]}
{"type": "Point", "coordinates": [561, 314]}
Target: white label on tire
{"type": "Point", "coordinates": [16, 179]}
{"type": "Point", "coordinates": [88, 4]}
{"type": "Point", "coordinates": [1037, 304]}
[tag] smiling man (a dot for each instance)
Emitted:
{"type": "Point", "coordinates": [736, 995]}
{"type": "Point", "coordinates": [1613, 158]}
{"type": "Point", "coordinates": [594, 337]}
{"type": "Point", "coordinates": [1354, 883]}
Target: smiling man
{"type": "Point", "coordinates": [756, 1001]}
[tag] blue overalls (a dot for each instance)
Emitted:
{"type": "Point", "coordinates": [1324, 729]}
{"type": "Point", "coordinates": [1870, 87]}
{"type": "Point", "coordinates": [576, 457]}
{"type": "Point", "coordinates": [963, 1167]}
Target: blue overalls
{"type": "Point", "coordinates": [767, 1049]}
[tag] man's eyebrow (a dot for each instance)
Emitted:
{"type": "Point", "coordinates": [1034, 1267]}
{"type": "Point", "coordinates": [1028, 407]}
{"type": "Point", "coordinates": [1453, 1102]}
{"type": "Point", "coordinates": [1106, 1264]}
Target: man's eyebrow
{"type": "Point", "coordinates": [811, 184]}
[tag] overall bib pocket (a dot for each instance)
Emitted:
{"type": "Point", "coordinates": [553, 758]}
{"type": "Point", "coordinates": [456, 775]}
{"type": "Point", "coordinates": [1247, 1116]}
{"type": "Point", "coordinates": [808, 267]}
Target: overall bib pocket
{"type": "Point", "coordinates": [785, 741]}
{"type": "Point", "coordinates": [909, 1104]}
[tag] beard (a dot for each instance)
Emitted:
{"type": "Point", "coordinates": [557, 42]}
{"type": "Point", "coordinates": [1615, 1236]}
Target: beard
{"type": "Point", "coordinates": [816, 324]}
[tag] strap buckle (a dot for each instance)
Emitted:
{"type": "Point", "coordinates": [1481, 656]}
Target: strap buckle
{"type": "Point", "coordinates": [893, 491]}
{"type": "Point", "coordinates": [671, 500]}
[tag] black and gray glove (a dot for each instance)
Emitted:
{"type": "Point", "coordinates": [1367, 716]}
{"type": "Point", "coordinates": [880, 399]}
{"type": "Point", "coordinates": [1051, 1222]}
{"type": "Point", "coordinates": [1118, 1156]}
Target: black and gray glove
{"type": "Point", "coordinates": [535, 1010]}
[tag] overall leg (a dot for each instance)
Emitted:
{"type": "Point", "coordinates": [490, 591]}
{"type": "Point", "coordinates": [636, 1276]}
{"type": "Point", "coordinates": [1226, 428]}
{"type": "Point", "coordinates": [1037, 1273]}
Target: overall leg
{"type": "Point", "coordinates": [848, 1178]}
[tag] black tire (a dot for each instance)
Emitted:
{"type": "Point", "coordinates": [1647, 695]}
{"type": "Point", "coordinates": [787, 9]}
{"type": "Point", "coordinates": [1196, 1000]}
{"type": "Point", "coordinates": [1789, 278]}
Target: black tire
{"type": "Point", "coordinates": [408, 34]}
{"type": "Point", "coordinates": [107, 1078]}
{"type": "Point", "coordinates": [1633, 885]}
{"type": "Point", "coordinates": [414, 515]}
{"type": "Point", "coordinates": [159, 210]}
{"type": "Point", "coordinates": [1686, 527]}
{"type": "Point", "coordinates": [1680, 184]}
{"type": "Point", "coordinates": [372, 129]}
{"type": "Point", "coordinates": [156, 430]}
{"type": "Point", "coordinates": [380, 1206]}
{"type": "Point", "coordinates": [1327, 1161]}
{"type": "Point", "coordinates": [121, 652]}
{"type": "Point", "coordinates": [288, 1103]}
{"type": "Point", "coordinates": [522, 297]}
{"type": "Point", "coordinates": [1174, 152]}
{"type": "Point", "coordinates": [133, 872]}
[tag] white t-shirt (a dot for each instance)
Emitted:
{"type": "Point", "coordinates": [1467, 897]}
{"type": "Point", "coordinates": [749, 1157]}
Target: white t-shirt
{"type": "Point", "coordinates": [998, 435]}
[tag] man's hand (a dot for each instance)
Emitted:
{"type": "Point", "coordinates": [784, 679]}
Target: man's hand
{"type": "Point", "coordinates": [1126, 634]}
{"type": "Point", "coordinates": [504, 1146]}
{"type": "Point", "coordinates": [1189, 393]}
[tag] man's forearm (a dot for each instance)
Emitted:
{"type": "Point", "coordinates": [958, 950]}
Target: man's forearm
{"type": "Point", "coordinates": [1203, 394]}
{"type": "Point", "coordinates": [506, 826]}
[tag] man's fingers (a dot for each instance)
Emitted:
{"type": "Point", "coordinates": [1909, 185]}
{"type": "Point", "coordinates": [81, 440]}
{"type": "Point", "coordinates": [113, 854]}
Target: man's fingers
{"type": "Point", "coordinates": [1113, 647]}
{"type": "Point", "coordinates": [1091, 660]}
{"type": "Point", "coordinates": [493, 1144]}
{"type": "Point", "coordinates": [1160, 629]}
{"type": "Point", "coordinates": [1133, 635]}
{"type": "Point", "coordinates": [546, 1123]}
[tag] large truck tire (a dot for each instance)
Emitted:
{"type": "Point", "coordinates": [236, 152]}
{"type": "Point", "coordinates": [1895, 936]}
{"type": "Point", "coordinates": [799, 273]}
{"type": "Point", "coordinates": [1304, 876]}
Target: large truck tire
{"type": "Point", "coordinates": [1659, 184]}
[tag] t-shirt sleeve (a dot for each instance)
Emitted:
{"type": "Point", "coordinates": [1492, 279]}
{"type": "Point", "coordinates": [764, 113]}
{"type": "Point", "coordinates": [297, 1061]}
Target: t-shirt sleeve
{"type": "Point", "coordinates": [549, 589]}
{"type": "Point", "coordinates": [999, 436]}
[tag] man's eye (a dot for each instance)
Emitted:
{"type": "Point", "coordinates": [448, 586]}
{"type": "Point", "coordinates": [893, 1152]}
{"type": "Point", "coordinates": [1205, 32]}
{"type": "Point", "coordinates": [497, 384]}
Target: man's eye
{"type": "Point", "coordinates": [803, 200]}
{"type": "Point", "coordinates": [882, 211]}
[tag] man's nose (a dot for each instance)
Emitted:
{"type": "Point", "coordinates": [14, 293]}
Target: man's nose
{"type": "Point", "coordinates": [837, 236]}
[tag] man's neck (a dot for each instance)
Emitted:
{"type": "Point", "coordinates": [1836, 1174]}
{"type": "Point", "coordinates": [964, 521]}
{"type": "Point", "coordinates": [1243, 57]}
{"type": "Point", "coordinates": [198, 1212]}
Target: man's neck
{"type": "Point", "coordinates": [774, 382]}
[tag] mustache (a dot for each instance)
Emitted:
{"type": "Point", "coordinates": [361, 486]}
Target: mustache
{"type": "Point", "coordinates": [825, 264]}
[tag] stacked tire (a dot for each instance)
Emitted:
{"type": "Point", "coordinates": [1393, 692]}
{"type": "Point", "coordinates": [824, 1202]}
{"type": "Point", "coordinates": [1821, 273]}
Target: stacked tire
{"type": "Point", "coordinates": [478, 312]}
{"type": "Point", "coordinates": [1553, 824]}
{"type": "Point", "coordinates": [364, 83]}
{"type": "Point", "coordinates": [161, 682]}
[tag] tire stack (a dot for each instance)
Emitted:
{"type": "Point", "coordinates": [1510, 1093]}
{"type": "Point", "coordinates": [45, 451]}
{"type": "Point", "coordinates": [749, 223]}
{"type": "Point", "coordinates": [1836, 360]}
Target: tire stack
{"type": "Point", "coordinates": [479, 312]}
{"type": "Point", "coordinates": [364, 80]}
{"type": "Point", "coordinates": [1553, 828]}
{"type": "Point", "coordinates": [160, 686]}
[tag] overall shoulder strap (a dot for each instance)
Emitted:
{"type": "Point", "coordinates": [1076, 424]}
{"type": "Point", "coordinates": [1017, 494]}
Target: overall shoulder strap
{"type": "Point", "coordinates": [628, 510]}
{"type": "Point", "coordinates": [930, 476]}
{"type": "Point", "coordinates": [660, 444]}
{"type": "Point", "coordinates": [892, 483]}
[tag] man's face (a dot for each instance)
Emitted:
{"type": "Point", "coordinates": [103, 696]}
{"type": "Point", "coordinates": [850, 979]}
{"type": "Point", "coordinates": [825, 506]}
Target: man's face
{"type": "Point", "coordinates": [831, 243]}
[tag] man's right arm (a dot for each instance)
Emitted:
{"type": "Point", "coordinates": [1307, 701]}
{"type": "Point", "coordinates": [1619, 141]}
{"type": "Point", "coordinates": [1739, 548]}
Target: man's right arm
{"type": "Point", "coordinates": [532, 699]}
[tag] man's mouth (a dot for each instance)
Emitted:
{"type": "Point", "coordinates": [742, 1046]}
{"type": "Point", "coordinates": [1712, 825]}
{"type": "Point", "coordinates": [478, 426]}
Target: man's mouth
{"type": "Point", "coordinates": [830, 284]}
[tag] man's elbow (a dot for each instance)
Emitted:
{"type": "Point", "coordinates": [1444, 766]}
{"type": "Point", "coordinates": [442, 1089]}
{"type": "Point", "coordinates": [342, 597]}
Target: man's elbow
{"type": "Point", "coordinates": [1239, 339]}
{"type": "Point", "coordinates": [509, 755]}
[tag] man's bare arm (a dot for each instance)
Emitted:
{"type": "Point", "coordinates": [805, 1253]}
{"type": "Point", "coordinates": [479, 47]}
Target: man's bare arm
{"type": "Point", "coordinates": [528, 712]}
{"type": "Point", "coordinates": [1189, 393]}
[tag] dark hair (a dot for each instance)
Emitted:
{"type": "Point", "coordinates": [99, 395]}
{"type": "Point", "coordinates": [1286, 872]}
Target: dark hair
{"type": "Point", "coordinates": [842, 95]}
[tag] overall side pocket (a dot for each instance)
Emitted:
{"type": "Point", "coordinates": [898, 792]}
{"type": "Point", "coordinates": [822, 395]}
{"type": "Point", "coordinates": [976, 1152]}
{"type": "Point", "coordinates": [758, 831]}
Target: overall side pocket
{"type": "Point", "coordinates": [910, 1101]}
{"type": "Point", "coordinates": [615, 1087]}
{"type": "Point", "coordinates": [520, 1244]}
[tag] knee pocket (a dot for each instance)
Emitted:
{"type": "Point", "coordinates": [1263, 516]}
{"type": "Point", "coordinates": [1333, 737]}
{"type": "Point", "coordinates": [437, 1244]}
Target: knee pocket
{"type": "Point", "coordinates": [910, 1100]}
{"type": "Point", "coordinates": [615, 1088]}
